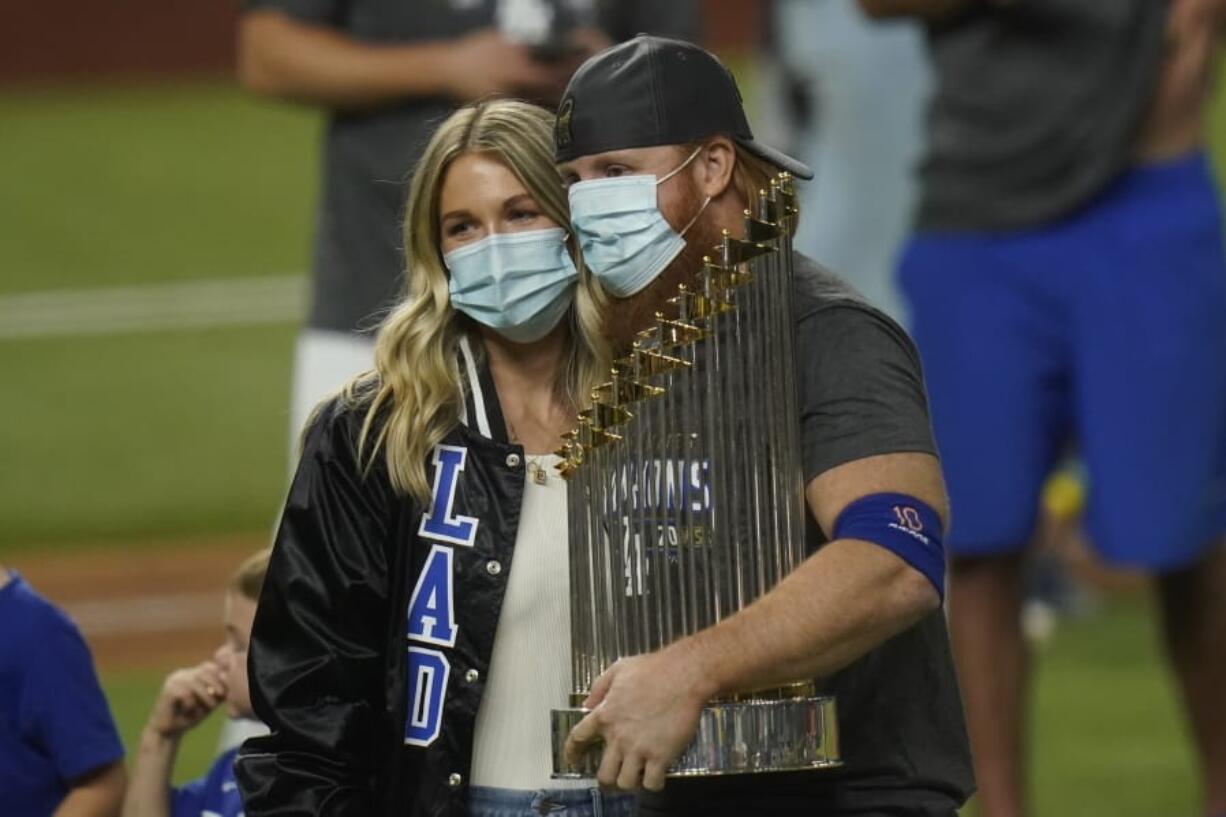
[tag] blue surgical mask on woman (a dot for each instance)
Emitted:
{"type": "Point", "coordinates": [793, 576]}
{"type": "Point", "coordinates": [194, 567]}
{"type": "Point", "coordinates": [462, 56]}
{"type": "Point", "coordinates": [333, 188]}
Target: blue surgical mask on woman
{"type": "Point", "coordinates": [625, 239]}
{"type": "Point", "coordinates": [518, 284]}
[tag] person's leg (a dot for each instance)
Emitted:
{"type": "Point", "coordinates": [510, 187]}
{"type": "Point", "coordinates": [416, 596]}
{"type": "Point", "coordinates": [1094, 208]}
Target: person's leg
{"type": "Point", "coordinates": [869, 85]}
{"type": "Point", "coordinates": [613, 804]}
{"type": "Point", "coordinates": [323, 362]}
{"type": "Point", "coordinates": [993, 350]}
{"type": "Point", "coordinates": [1193, 604]}
{"type": "Point", "coordinates": [985, 624]}
{"type": "Point", "coordinates": [1151, 397]}
{"type": "Point", "coordinates": [487, 801]}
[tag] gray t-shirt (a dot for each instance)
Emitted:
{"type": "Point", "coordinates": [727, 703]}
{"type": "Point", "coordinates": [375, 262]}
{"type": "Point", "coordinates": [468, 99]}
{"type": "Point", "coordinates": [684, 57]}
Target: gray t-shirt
{"type": "Point", "coordinates": [1037, 108]}
{"type": "Point", "coordinates": [358, 258]}
{"type": "Point", "coordinates": [901, 727]}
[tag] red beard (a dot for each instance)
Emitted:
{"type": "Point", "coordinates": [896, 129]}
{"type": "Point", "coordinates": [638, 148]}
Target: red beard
{"type": "Point", "coordinates": [626, 317]}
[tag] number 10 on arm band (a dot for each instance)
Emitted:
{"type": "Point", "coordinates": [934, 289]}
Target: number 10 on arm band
{"type": "Point", "coordinates": [903, 525]}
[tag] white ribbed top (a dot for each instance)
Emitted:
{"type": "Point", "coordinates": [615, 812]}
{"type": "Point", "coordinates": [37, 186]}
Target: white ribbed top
{"type": "Point", "coordinates": [529, 672]}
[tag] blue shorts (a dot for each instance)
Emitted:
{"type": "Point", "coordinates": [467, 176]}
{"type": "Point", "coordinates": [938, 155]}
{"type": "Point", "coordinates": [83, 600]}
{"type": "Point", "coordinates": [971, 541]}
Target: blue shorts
{"type": "Point", "coordinates": [1106, 329]}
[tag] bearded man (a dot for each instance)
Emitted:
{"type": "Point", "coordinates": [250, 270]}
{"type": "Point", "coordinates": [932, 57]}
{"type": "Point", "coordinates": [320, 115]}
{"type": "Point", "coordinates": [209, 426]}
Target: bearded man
{"type": "Point", "coordinates": [660, 159]}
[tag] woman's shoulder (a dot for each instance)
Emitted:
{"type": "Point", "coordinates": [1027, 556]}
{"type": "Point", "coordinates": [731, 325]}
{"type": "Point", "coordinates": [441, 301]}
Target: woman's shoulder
{"type": "Point", "coordinates": [341, 424]}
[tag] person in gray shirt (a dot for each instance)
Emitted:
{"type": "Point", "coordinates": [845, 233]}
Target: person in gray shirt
{"type": "Point", "coordinates": [386, 73]}
{"type": "Point", "coordinates": [862, 613]}
{"type": "Point", "coordinates": [1067, 284]}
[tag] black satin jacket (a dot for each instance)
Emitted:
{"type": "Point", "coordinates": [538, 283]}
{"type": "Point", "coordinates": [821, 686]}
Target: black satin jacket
{"type": "Point", "coordinates": [359, 727]}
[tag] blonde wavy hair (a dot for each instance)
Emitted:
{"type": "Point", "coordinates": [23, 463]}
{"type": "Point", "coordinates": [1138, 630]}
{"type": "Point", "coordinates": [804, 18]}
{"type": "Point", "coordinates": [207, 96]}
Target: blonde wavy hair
{"type": "Point", "coordinates": [416, 381]}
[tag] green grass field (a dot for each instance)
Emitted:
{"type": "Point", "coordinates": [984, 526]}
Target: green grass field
{"type": "Point", "coordinates": [125, 437]}
{"type": "Point", "coordinates": [130, 186]}
{"type": "Point", "coordinates": [150, 434]}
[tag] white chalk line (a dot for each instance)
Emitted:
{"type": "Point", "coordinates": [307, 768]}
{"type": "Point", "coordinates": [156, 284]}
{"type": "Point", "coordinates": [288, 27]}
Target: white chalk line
{"type": "Point", "coordinates": [137, 615]}
{"type": "Point", "coordinates": [154, 307]}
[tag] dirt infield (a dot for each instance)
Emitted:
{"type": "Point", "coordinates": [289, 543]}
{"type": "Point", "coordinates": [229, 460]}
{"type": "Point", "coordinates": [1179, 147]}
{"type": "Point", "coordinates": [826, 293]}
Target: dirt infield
{"type": "Point", "coordinates": [151, 605]}
{"type": "Point", "coordinates": [159, 604]}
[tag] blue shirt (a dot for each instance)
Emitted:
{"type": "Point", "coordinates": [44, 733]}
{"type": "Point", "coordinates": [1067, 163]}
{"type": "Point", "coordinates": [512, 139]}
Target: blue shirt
{"type": "Point", "coordinates": [55, 726]}
{"type": "Point", "coordinates": [214, 795]}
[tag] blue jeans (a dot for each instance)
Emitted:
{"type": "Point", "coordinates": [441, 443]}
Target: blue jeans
{"type": "Point", "coordinates": [490, 802]}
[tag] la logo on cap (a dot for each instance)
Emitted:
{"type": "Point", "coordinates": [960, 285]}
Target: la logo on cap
{"type": "Point", "coordinates": [561, 131]}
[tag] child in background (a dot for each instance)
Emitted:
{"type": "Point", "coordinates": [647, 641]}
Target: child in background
{"type": "Point", "coordinates": [188, 697]}
{"type": "Point", "coordinates": [60, 755]}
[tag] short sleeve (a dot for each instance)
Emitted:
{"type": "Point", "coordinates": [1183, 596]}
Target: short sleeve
{"type": "Point", "coordinates": [212, 794]}
{"type": "Point", "coordinates": [63, 706]}
{"type": "Point", "coordinates": [188, 800]}
{"type": "Point", "coordinates": [860, 386]}
{"type": "Point", "coordinates": [328, 12]}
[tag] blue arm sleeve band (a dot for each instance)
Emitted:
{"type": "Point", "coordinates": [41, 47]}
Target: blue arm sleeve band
{"type": "Point", "coordinates": [901, 524]}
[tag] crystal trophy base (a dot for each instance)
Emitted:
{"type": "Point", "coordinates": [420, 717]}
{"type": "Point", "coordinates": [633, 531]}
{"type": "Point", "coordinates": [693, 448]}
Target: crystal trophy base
{"type": "Point", "coordinates": [734, 737]}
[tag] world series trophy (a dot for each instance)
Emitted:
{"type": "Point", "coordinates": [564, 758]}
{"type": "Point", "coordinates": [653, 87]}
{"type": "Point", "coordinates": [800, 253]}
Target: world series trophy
{"type": "Point", "coordinates": [686, 499]}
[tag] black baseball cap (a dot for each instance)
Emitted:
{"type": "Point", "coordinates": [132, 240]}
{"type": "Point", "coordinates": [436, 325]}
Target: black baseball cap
{"type": "Point", "coordinates": [653, 91]}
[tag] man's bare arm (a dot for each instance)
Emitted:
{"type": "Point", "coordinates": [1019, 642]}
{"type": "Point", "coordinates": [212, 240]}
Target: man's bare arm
{"type": "Point", "coordinates": [98, 794]}
{"type": "Point", "coordinates": [841, 602]}
{"type": "Point", "coordinates": [281, 56]}
{"type": "Point", "coordinates": [1175, 123]}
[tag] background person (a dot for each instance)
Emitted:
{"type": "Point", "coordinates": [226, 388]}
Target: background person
{"type": "Point", "coordinates": [387, 74]}
{"type": "Point", "coordinates": [189, 696]}
{"type": "Point", "coordinates": [1067, 281]}
{"type": "Point", "coordinates": [413, 633]}
{"type": "Point", "coordinates": [59, 752]}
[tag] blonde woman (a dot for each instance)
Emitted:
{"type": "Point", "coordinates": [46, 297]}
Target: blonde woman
{"type": "Point", "coordinates": [412, 635]}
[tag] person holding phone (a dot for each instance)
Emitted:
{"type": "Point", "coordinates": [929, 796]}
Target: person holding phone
{"type": "Point", "coordinates": [386, 74]}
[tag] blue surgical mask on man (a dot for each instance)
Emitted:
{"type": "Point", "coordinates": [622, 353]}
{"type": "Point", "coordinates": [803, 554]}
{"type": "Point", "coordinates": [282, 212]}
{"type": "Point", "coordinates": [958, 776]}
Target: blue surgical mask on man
{"type": "Point", "coordinates": [518, 284]}
{"type": "Point", "coordinates": [625, 239]}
